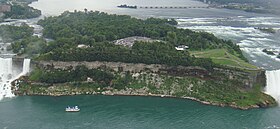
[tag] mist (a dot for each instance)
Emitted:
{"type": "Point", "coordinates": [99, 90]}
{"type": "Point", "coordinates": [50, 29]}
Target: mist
{"type": "Point", "coordinates": [271, 6]}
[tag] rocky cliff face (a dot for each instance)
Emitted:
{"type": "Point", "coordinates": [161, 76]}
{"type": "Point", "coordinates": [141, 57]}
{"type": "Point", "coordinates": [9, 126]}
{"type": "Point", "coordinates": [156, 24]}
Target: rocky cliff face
{"type": "Point", "coordinates": [248, 78]}
{"type": "Point", "coordinates": [220, 86]}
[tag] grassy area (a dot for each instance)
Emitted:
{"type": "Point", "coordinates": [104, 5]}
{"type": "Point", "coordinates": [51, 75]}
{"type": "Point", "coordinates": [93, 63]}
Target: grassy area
{"type": "Point", "coordinates": [223, 57]}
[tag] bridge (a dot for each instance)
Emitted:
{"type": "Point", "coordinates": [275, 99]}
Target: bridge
{"type": "Point", "coordinates": [171, 7]}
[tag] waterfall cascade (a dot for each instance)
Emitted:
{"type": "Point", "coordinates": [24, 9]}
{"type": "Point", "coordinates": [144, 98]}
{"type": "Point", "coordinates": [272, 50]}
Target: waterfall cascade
{"type": "Point", "coordinates": [26, 66]}
{"type": "Point", "coordinates": [7, 75]}
{"type": "Point", "coordinates": [273, 84]}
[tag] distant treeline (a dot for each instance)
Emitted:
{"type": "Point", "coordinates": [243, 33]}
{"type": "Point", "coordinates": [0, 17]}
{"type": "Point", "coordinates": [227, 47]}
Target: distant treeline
{"type": "Point", "coordinates": [22, 12]}
{"type": "Point", "coordinates": [234, 1]}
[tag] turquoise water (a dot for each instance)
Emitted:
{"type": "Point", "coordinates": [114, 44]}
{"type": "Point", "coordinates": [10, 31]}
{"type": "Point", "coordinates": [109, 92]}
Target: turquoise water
{"type": "Point", "coordinates": [124, 112]}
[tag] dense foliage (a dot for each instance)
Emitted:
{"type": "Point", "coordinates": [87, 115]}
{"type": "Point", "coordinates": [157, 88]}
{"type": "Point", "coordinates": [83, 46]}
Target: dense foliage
{"type": "Point", "coordinates": [11, 33]}
{"type": "Point", "coordinates": [22, 12]}
{"type": "Point", "coordinates": [141, 52]}
{"type": "Point", "coordinates": [29, 45]}
{"type": "Point", "coordinates": [99, 27]}
{"type": "Point", "coordinates": [219, 89]}
{"type": "Point", "coordinates": [96, 29]}
{"type": "Point", "coordinates": [79, 73]}
{"type": "Point", "coordinates": [22, 40]}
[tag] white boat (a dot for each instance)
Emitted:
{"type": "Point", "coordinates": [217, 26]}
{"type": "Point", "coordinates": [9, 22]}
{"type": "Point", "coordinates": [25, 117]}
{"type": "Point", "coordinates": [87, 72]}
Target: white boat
{"type": "Point", "coordinates": [72, 109]}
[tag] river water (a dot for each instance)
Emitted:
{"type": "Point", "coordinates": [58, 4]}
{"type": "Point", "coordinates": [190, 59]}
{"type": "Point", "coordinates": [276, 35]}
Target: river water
{"type": "Point", "coordinates": [123, 112]}
{"type": "Point", "coordinates": [235, 25]}
{"type": "Point", "coordinates": [151, 112]}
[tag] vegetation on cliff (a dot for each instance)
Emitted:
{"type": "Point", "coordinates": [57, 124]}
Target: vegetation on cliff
{"type": "Point", "coordinates": [226, 91]}
{"type": "Point", "coordinates": [97, 30]}
{"type": "Point", "coordinates": [79, 73]}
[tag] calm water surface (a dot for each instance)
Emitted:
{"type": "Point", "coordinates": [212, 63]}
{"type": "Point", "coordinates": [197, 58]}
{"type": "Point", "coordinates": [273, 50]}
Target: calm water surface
{"type": "Point", "coordinates": [124, 112]}
{"type": "Point", "coordinates": [33, 112]}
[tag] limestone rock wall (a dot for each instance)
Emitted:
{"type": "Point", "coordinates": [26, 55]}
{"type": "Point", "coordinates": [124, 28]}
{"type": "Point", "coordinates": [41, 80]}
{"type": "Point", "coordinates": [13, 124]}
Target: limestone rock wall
{"type": "Point", "coordinates": [248, 79]}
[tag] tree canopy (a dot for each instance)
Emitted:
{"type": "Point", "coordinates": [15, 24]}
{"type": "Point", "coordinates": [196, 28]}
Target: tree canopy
{"type": "Point", "coordinates": [97, 30]}
{"type": "Point", "coordinates": [22, 12]}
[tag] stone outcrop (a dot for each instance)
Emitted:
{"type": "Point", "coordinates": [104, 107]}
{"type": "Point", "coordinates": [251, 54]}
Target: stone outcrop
{"type": "Point", "coordinates": [248, 78]}
{"type": "Point", "coordinates": [186, 82]}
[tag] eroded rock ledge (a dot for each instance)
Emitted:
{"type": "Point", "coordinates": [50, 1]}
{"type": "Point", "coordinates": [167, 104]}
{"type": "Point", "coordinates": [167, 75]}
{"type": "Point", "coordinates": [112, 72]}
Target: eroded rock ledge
{"type": "Point", "coordinates": [221, 87]}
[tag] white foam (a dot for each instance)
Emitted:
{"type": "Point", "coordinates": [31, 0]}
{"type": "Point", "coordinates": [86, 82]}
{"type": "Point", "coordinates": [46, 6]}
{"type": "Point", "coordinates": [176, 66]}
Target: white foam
{"type": "Point", "coordinates": [243, 31]}
{"type": "Point", "coordinates": [264, 23]}
{"type": "Point", "coordinates": [7, 76]}
{"type": "Point", "coordinates": [201, 21]}
{"type": "Point", "coordinates": [259, 39]}
{"type": "Point", "coordinates": [229, 31]}
{"type": "Point", "coordinates": [272, 84]}
{"type": "Point", "coordinates": [26, 66]}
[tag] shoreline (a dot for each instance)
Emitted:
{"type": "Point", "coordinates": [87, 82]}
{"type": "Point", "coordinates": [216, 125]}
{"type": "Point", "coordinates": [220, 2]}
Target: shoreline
{"type": "Point", "coordinates": [159, 96]}
{"type": "Point", "coordinates": [133, 92]}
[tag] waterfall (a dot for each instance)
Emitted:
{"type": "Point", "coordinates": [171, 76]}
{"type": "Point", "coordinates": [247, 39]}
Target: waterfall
{"type": "Point", "coordinates": [6, 76]}
{"type": "Point", "coordinates": [26, 66]}
{"type": "Point", "coordinates": [273, 84]}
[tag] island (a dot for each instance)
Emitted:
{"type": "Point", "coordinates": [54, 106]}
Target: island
{"type": "Point", "coordinates": [18, 9]}
{"type": "Point", "coordinates": [268, 52]}
{"type": "Point", "coordinates": [272, 52]}
{"type": "Point", "coordinates": [266, 30]}
{"type": "Point", "coordinates": [127, 6]}
{"type": "Point", "coordinates": [108, 54]}
{"type": "Point", "coordinates": [256, 6]}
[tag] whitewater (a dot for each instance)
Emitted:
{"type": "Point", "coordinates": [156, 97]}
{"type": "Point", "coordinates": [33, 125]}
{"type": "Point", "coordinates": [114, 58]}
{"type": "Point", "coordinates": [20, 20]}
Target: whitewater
{"type": "Point", "coordinates": [8, 74]}
{"type": "Point", "coordinates": [252, 41]}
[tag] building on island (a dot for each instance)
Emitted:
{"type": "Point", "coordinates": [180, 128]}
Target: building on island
{"type": "Point", "coordinates": [129, 41]}
{"type": "Point", "coordinates": [82, 46]}
{"type": "Point", "coordinates": [181, 48]}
